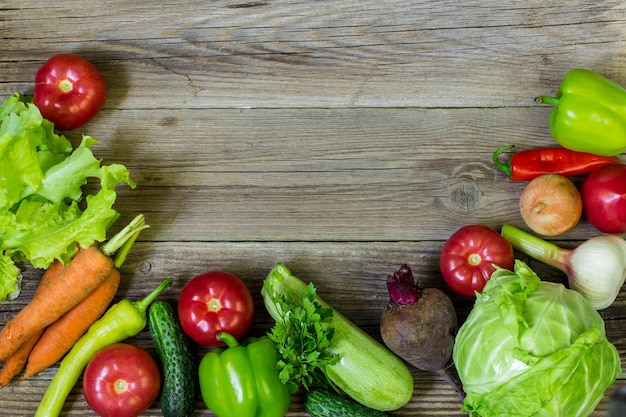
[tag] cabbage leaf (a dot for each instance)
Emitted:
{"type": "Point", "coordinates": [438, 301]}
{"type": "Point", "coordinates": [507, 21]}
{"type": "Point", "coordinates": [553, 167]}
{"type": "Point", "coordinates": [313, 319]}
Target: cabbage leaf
{"type": "Point", "coordinates": [44, 214]}
{"type": "Point", "coordinates": [533, 348]}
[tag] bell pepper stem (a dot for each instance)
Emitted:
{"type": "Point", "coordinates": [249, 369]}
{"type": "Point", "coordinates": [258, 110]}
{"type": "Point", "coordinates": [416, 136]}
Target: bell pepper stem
{"type": "Point", "coordinates": [227, 338]}
{"type": "Point", "coordinates": [533, 246]}
{"type": "Point", "coordinates": [553, 101]}
{"type": "Point", "coordinates": [504, 167]}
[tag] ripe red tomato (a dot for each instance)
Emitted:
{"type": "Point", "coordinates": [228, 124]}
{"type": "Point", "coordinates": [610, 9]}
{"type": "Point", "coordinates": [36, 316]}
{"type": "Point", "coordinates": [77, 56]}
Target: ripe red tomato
{"type": "Point", "coordinates": [121, 380]}
{"type": "Point", "coordinates": [215, 302]}
{"type": "Point", "coordinates": [69, 91]}
{"type": "Point", "coordinates": [468, 256]}
{"type": "Point", "coordinates": [604, 198]}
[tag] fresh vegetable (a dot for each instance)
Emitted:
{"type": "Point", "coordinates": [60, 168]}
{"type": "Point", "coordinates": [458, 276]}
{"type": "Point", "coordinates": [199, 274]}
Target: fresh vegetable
{"type": "Point", "coordinates": [303, 340]}
{"type": "Point", "coordinates": [530, 163]}
{"type": "Point", "coordinates": [242, 379]}
{"type": "Point", "coordinates": [533, 348]}
{"type": "Point", "coordinates": [604, 198]}
{"type": "Point", "coordinates": [215, 302]}
{"type": "Point", "coordinates": [121, 380]}
{"type": "Point", "coordinates": [69, 91]}
{"type": "Point", "coordinates": [16, 362]}
{"type": "Point", "coordinates": [61, 295]}
{"type": "Point", "coordinates": [550, 205]}
{"type": "Point", "coordinates": [60, 336]}
{"type": "Point", "coordinates": [588, 114]}
{"type": "Point", "coordinates": [468, 257]}
{"type": "Point", "coordinates": [180, 374]}
{"type": "Point", "coordinates": [121, 321]}
{"type": "Point", "coordinates": [596, 268]}
{"type": "Point", "coordinates": [323, 403]}
{"type": "Point", "coordinates": [41, 176]}
{"type": "Point", "coordinates": [419, 325]}
{"type": "Point", "coordinates": [366, 370]}
{"type": "Point", "coordinates": [87, 270]}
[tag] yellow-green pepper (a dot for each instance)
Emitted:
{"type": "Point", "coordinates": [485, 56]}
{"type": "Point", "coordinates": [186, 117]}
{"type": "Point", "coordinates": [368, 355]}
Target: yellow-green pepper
{"type": "Point", "coordinates": [242, 380]}
{"type": "Point", "coordinates": [589, 113]}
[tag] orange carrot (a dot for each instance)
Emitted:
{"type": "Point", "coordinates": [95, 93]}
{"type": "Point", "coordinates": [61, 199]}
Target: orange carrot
{"type": "Point", "coordinates": [60, 336]}
{"type": "Point", "coordinates": [16, 362]}
{"type": "Point", "coordinates": [83, 274]}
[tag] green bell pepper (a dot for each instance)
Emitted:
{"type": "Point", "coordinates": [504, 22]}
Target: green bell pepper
{"type": "Point", "coordinates": [242, 379]}
{"type": "Point", "coordinates": [589, 113]}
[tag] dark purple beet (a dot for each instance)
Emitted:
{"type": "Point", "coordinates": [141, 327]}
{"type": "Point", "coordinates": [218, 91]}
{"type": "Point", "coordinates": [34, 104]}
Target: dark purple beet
{"type": "Point", "coordinates": [419, 325]}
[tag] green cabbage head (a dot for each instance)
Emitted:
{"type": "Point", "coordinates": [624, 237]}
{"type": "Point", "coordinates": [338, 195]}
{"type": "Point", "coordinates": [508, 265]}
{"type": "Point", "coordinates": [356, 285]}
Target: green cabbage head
{"type": "Point", "coordinates": [533, 348]}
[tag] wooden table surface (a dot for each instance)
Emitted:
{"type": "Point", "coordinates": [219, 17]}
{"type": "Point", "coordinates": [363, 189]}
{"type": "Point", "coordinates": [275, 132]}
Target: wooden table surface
{"type": "Point", "coordinates": [341, 138]}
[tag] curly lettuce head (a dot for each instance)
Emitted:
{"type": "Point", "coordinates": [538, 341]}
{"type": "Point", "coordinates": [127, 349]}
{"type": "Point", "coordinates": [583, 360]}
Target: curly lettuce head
{"type": "Point", "coordinates": [533, 348]}
{"type": "Point", "coordinates": [44, 214]}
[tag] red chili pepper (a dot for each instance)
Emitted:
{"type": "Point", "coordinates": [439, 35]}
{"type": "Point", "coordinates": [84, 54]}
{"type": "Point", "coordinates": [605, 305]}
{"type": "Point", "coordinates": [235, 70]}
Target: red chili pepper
{"type": "Point", "coordinates": [529, 164]}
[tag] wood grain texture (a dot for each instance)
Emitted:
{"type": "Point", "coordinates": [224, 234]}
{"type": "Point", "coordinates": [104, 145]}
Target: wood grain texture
{"type": "Point", "coordinates": [341, 138]}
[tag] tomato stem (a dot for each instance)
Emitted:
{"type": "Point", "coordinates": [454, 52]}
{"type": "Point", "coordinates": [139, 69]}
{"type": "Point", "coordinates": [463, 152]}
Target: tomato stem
{"type": "Point", "coordinates": [120, 386]}
{"type": "Point", "coordinates": [474, 259]}
{"type": "Point", "coordinates": [214, 305]}
{"type": "Point", "coordinates": [66, 85]}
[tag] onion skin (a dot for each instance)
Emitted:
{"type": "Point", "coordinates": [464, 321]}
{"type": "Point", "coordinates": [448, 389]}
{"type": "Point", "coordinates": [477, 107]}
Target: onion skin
{"type": "Point", "coordinates": [596, 268]}
{"type": "Point", "coordinates": [551, 205]}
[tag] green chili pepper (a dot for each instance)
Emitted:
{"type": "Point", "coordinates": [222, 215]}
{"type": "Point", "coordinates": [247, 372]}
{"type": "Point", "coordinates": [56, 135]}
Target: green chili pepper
{"type": "Point", "coordinates": [242, 379]}
{"type": "Point", "coordinates": [589, 113]}
{"type": "Point", "coordinates": [123, 320]}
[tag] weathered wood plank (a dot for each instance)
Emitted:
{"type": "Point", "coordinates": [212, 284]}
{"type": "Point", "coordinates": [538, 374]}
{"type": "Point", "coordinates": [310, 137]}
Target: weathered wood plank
{"type": "Point", "coordinates": [196, 54]}
{"type": "Point", "coordinates": [371, 174]}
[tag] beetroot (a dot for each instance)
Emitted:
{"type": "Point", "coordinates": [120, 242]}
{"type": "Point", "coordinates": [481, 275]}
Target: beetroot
{"type": "Point", "coordinates": [420, 325]}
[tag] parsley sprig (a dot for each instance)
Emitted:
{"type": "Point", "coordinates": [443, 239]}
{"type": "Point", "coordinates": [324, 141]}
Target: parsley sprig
{"type": "Point", "coordinates": [302, 337]}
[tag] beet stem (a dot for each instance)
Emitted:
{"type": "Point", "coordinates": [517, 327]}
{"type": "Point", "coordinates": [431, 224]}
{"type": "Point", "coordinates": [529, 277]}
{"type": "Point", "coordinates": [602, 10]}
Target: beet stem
{"type": "Point", "coordinates": [401, 286]}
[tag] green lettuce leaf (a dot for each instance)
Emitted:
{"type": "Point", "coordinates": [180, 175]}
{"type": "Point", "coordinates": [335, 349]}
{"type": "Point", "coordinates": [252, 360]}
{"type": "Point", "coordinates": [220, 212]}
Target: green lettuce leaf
{"type": "Point", "coordinates": [44, 213]}
{"type": "Point", "coordinates": [529, 347]}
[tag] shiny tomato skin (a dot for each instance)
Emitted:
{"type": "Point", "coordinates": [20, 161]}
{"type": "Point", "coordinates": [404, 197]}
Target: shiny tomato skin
{"type": "Point", "coordinates": [468, 256]}
{"type": "Point", "coordinates": [604, 198]}
{"type": "Point", "coordinates": [215, 302]}
{"type": "Point", "coordinates": [69, 91]}
{"type": "Point", "coordinates": [129, 368]}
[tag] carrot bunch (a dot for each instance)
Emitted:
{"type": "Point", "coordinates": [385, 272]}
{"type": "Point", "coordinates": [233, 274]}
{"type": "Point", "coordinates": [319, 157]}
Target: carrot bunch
{"type": "Point", "coordinates": [67, 301]}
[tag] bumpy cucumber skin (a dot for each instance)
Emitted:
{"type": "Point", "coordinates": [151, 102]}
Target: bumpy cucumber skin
{"type": "Point", "coordinates": [322, 403]}
{"type": "Point", "coordinates": [180, 373]}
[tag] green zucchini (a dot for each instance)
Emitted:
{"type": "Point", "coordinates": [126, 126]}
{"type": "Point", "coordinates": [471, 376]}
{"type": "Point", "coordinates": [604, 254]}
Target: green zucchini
{"type": "Point", "coordinates": [323, 403]}
{"type": "Point", "coordinates": [180, 373]}
{"type": "Point", "coordinates": [366, 371]}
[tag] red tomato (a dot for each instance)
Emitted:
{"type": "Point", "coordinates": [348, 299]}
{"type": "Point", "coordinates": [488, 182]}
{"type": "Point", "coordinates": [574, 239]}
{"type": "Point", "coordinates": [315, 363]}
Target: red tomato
{"type": "Point", "coordinates": [121, 380]}
{"type": "Point", "coordinates": [468, 256]}
{"type": "Point", "coordinates": [604, 198]}
{"type": "Point", "coordinates": [215, 302]}
{"type": "Point", "coordinates": [69, 91]}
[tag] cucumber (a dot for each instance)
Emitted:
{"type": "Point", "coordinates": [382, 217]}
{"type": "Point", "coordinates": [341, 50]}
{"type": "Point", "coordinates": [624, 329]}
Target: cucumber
{"type": "Point", "coordinates": [180, 373]}
{"type": "Point", "coordinates": [367, 371]}
{"type": "Point", "coordinates": [323, 403]}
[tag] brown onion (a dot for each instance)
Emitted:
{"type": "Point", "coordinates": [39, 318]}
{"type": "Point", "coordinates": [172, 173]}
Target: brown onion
{"type": "Point", "coordinates": [550, 205]}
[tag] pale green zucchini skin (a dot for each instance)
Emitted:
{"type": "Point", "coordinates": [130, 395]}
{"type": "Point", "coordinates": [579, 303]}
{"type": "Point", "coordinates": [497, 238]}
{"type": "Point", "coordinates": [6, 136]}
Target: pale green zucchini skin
{"type": "Point", "coordinates": [322, 403]}
{"type": "Point", "coordinates": [180, 372]}
{"type": "Point", "coordinates": [367, 371]}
